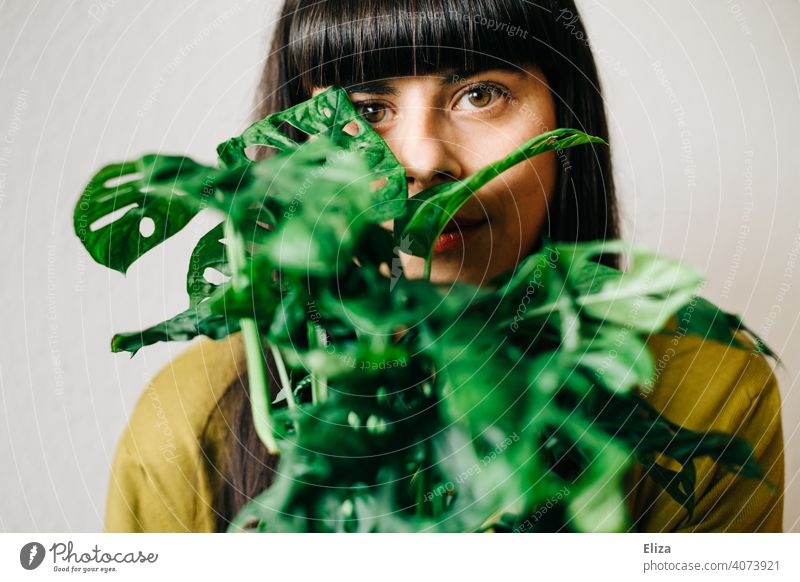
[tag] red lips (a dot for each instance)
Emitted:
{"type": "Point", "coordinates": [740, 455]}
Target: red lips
{"type": "Point", "coordinates": [456, 233]}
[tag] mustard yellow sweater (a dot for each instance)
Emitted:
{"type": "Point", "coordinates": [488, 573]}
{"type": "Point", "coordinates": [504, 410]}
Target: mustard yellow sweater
{"type": "Point", "coordinates": [163, 471]}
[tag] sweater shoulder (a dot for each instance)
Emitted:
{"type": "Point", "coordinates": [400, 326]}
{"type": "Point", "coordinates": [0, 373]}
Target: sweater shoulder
{"type": "Point", "coordinates": [160, 477]}
{"type": "Point", "coordinates": [706, 385]}
{"type": "Point", "coordinates": [702, 383]}
{"type": "Point", "coordinates": [183, 394]}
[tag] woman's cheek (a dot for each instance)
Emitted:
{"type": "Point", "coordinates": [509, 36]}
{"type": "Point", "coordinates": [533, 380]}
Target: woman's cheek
{"type": "Point", "coordinates": [524, 195]}
{"type": "Point", "coordinates": [529, 181]}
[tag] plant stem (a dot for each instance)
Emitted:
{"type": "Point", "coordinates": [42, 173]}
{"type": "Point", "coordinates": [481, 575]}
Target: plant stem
{"type": "Point", "coordinates": [322, 383]}
{"type": "Point", "coordinates": [259, 392]}
{"type": "Point", "coordinates": [313, 340]}
{"type": "Point", "coordinates": [319, 385]}
{"type": "Point", "coordinates": [286, 383]}
{"type": "Point", "coordinates": [256, 367]}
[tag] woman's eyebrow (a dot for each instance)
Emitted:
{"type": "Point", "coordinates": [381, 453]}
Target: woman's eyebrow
{"type": "Point", "coordinates": [374, 87]}
{"type": "Point", "coordinates": [450, 77]}
{"type": "Point", "coordinates": [458, 76]}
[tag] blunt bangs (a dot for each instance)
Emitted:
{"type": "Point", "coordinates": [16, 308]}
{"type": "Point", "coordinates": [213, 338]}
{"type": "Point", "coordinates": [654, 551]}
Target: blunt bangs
{"type": "Point", "coordinates": [351, 42]}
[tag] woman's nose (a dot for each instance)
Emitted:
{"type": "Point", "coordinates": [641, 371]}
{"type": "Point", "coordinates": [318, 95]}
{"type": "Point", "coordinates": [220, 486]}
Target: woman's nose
{"type": "Point", "coordinates": [426, 150]}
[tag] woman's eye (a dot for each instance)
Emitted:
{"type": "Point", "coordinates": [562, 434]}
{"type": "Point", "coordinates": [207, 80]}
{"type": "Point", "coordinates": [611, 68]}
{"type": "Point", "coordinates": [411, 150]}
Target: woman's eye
{"type": "Point", "coordinates": [480, 97]}
{"type": "Point", "coordinates": [372, 113]}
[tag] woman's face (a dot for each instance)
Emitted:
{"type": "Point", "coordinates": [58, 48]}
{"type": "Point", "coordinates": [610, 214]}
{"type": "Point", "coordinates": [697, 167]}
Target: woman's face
{"type": "Point", "coordinates": [446, 127]}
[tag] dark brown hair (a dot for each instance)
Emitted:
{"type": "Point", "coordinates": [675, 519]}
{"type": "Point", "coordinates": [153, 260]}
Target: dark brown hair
{"type": "Point", "coordinates": [318, 43]}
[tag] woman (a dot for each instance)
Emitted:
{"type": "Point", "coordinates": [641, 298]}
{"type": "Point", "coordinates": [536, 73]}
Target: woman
{"type": "Point", "coordinates": [451, 85]}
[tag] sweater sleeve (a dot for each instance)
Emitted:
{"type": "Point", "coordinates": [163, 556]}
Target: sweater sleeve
{"type": "Point", "coordinates": [710, 386]}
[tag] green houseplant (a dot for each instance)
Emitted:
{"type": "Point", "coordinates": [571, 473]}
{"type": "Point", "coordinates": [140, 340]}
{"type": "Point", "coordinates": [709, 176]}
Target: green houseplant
{"type": "Point", "coordinates": [406, 405]}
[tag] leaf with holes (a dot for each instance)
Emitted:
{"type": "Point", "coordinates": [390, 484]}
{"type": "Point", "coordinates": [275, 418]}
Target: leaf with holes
{"type": "Point", "coordinates": [330, 114]}
{"type": "Point", "coordinates": [123, 199]}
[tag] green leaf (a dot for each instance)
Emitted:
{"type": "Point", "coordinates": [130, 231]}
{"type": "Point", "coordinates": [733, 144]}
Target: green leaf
{"type": "Point", "coordinates": [336, 186]}
{"type": "Point", "coordinates": [643, 297]}
{"type": "Point", "coordinates": [195, 321]}
{"type": "Point", "coordinates": [208, 254]}
{"type": "Point", "coordinates": [327, 115]}
{"type": "Point", "coordinates": [616, 357]}
{"type": "Point", "coordinates": [129, 208]}
{"type": "Point", "coordinates": [598, 502]}
{"type": "Point", "coordinates": [430, 210]}
{"type": "Point", "coordinates": [632, 419]}
{"type": "Point", "coordinates": [702, 318]}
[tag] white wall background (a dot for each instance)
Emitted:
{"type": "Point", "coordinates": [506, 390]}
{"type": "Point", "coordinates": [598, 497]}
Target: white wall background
{"type": "Point", "coordinates": [704, 101]}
